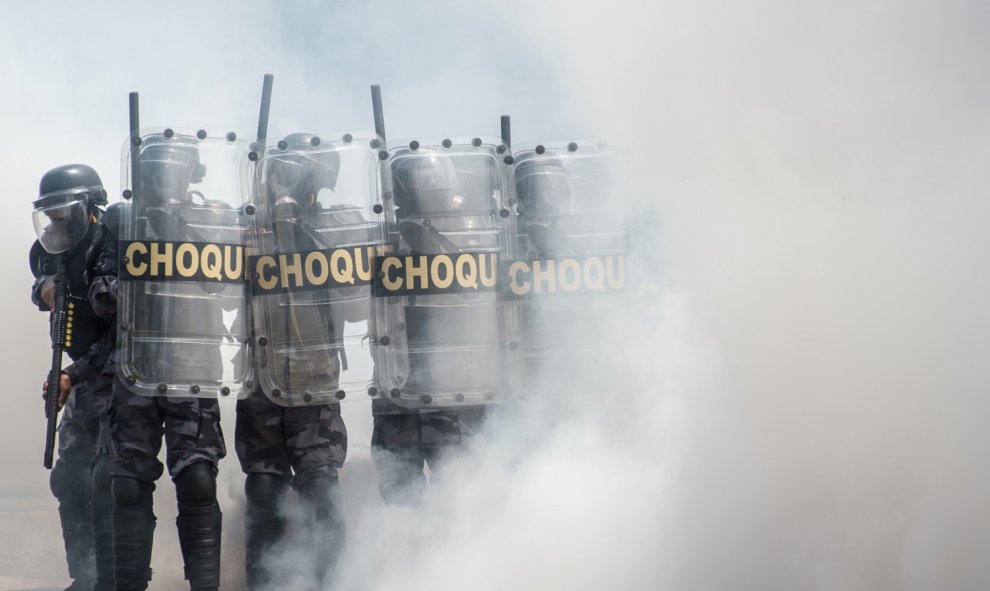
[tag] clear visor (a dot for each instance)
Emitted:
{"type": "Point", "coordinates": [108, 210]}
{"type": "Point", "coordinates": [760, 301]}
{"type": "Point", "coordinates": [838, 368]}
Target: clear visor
{"type": "Point", "coordinates": [61, 223]}
{"type": "Point", "coordinates": [164, 182]}
{"type": "Point", "coordinates": [544, 192]}
{"type": "Point", "coordinates": [425, 173]}
{"type": "Point", "coordinates": [287, 178]}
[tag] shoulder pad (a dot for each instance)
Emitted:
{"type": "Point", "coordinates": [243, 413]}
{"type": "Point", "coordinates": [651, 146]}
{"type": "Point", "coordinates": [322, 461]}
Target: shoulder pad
{"type": "Point", "coordinates": [35, 259]}
{"type": "Point", "coordinates": [111, 219]}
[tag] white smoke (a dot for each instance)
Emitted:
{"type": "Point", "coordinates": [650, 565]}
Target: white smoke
{"type": "Point", "coordinates": [808, 412]}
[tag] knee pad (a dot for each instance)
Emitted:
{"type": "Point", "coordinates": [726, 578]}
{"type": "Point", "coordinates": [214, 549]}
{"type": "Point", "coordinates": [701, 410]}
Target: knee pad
{"type": "Point", "coordinates": [196, 485]}
{"type": "Point", "coordinates": [264, 490]}
{"type": "Point", "coordinates": [69, 483]}
{"type": "Point", "coordinates": [131, 493]}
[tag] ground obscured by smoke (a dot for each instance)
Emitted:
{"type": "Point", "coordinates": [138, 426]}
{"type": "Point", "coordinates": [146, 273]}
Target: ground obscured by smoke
{"type": "Point", "coordinates": [805, 406]}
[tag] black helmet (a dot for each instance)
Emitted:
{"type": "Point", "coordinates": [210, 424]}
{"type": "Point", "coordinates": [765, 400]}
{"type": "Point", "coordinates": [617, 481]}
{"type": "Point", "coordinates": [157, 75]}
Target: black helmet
{"type": "Point", "coordinates": [67, 196]}
{"type": "Point", "coordinates": [167, 167]}
{"type": "Point", "coordinates": [424, 182]}
{"type": "Point", "coordinates": [72, 178]}
{"type": "Point", "coordinates": [543, 185]}
{"type": "Point", "coordinates": [297, 169]}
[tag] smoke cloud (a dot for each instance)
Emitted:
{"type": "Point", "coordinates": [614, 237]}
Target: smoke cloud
{"type": "Point", "coordinates": [803, 404]}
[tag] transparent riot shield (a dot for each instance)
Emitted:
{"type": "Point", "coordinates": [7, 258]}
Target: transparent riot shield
{"type": "Point", "coordinates": [571, 273]}
{"type": "Point", "coordinates": [445, 336]}
{"type": "Point", "coordinates": [183, 315]}
{"type": "Point", "coordinates": [316, 210]}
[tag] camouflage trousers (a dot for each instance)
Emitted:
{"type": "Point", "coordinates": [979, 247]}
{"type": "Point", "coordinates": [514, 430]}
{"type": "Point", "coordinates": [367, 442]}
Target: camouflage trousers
{"type": "Point", "coordinates": [402, 442]}
{"type": "Point", "coordinates": [303, 440]}
{"type": "Point", "coordinates": [79, 481]}
{"type": "Point", "coordinates": [190, 426]}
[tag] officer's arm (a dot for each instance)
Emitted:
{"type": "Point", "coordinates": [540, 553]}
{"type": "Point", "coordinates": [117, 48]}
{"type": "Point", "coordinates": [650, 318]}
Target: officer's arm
{"type": "Point", "coordinates": [102, 263]}
{"type": "Point", "coordinates": [90, 364]}
{"type": "Point", "coordinates": [43, 288]}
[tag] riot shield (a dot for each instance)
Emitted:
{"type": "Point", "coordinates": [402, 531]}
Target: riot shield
{"type": "Point", "coordinates": [446, 338]}
{"type": "Point", "coordinates": [571, 274]}
{"type": "Point", "coordinates": [183, 315]}
{"type": "Point", "coordinates": [316, 208]}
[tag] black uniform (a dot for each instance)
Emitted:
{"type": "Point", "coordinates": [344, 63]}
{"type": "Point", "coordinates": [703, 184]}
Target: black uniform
{"type": "Point", "coordinates": [80, 479]}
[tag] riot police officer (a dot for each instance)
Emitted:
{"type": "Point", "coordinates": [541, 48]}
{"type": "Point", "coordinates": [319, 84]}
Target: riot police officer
{"type": "Point", "coordinates": [190, 425]}
{"type": "Point", "coordinates": [451, 365]}
{"type": "Point", "coordinates": [281, 439]}
{"type": "Point", "coordinates": [66, 218]}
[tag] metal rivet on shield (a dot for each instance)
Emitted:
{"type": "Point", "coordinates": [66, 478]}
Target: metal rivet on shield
{"type": "Point", "coordinates": [253, 156]}
{"type": "Point", "coordinates": [231, 136]}
{"type": "Point", "coordinates": [501, 149]}
{"type": "Point", "coordinates": [125, 260]}
{"type": "Point", "coordinates": [387, 195]}
{"type": "Point", "coordinates": [131, 380]}
{"type": "Point", "coordinates": [194, 389]}
{"type": "Point", "coordinates": [225, 391]}
{"type": "Point", "coordinates": [426, 398]}
{"type": "Point", "coordinates": [509, 159]}
{"type": "Point", "coordinates": [340, 394]}
{"type": "Point", "coordinates": [446, 143]}
{"type": "Point", "coordinates": [395, 392]}
{"type": "Point", "coordinates": [411, 300]}
{"type": "Point", "coordinates": [572, 147]}
{"type": "Point", "coordinates": [385, 340]}
{"type": "Point", "coordinates": [374, 144]}
{"type": "Point", "coordinates": [276, 393]}
{"type": "Point", "coordinates": [201, 134]}
{"type": "Point", "coordinates": [314, 141]}
{"type": "Point", "coordinates": [426, 222]}
{"type": "Point", "coordinates": [307, 397]}
{"type": "Point", "coordinates": [372, 391]}
{"type": "Point", "coordinates": [249, 385]}
{"type": "Point", "coordinates": [249, 209]}
{"type": "Point", "coordinates": [283, 145]}
{"type": "Point", "coordinates": [348, 138]}
{"type": "Point", "coordinates": [401, 326]}
{"type": "Point", "coordinates": [262, 341]}
{"type": "Point", "coordinates": [504, 213]}
{"type": "Point", "coordinates": [414, 145]}
{"type": "Point", "coordinates": [136, 140]}
{"type": "Point", "coordinates": [127, 194]}
{"type": "Point", "coordinates": [168, 133]}
{"type": "Point", "coordinates": [459, 397]}
{"type": "Point", "coordinates": [162, 388]}
{"type": "Point", "coordinates": [124, 326]}
{"type": "Point", "coordinates": [153, 288]}
{"type": "Point", "coordinates": [540, 149]}
{"type": "Point", "coordinates": [383, 155]}
{"type": "Point", "coordinates": [476, 142]}
{"type": "Point", "coordinates": [378, 208]}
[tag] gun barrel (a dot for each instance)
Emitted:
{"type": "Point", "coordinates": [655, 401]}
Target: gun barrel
{"type": "Point", "coordinates": [376, 104]}
{"type": "Point", "coordinates": [61, 315]}
{"type": "Point", "coordinates": [266, 105]}
{"type": "Point", "coordinates": [506, 131]}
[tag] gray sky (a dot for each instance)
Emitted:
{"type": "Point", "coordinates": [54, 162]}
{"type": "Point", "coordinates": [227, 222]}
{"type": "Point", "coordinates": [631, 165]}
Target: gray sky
{"type": "Point", "coordinates": [808, 408]}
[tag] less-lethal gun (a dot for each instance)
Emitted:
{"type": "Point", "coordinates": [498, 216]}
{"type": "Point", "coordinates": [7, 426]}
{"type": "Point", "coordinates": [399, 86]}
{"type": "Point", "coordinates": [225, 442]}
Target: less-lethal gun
{"type": "Point", "coordinates": [61, 339]}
